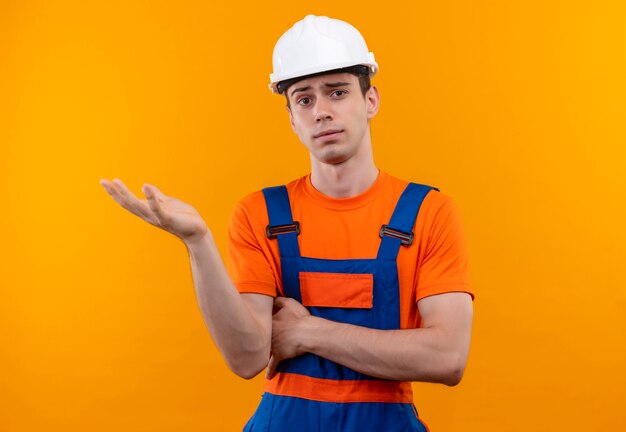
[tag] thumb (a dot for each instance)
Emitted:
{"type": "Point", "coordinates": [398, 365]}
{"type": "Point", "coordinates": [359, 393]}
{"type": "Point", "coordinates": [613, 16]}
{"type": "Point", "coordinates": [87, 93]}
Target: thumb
{"type": "Point", "coordinates": [154, 197]}
{"type": "Point", "coordinates": [280, 302]}
{"type": "Point", "coordinates": [151, 191]}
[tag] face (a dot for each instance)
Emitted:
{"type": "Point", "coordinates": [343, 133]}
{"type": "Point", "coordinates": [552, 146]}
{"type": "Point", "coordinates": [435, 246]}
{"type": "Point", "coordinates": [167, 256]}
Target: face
{"type": "Point", "coordinates": [331, 116]}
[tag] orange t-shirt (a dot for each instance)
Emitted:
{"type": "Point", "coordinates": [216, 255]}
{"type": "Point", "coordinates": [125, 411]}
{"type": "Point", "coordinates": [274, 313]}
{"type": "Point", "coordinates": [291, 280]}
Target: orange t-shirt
{"type": "Point", "coordinates": [348, 228]}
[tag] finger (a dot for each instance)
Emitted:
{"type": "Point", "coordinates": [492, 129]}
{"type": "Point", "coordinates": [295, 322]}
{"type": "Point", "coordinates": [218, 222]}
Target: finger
{"type": "Point", "coordinates": [271, 367]}
{"type": "Point", "coordinates": [116, 191]}
{"type": "Point", "coordinates": [134, 204]}
{"type": "Point", "coordinates": [155, 198]}
{"type": "Point", "coordinates": [112, 190]}
{"type": "Point", "coordinates": [280, 302]}
{"type": "Point", "coordinates": [120, 193]}
{"type": "Point", "coordinates": [157, 192]}
{"type": "Point", "coordinates": [129, 198]}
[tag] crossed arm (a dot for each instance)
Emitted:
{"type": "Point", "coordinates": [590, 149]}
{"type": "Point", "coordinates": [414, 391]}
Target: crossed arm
{"type": "Point", "coordinates": [246, 331]}
{"type": "Point", "coordinates": [436, 352]}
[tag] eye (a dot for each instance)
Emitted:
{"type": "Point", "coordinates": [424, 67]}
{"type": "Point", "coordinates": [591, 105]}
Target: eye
{"type": "Point", "coordinates": [339, 92]}
{"type": "Point", "coordinates": [304, 101]}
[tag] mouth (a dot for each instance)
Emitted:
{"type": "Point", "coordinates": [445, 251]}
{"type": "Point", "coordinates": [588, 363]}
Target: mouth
{"type": "Point", "coordinates": [328, 133]}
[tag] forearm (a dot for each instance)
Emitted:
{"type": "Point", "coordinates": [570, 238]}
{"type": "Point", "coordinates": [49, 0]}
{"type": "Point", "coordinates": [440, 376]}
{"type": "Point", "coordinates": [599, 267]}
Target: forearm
{"type": "Point", "coordinates": [423, 354]}
{"type": "Point", "coordinates": [239, 337]}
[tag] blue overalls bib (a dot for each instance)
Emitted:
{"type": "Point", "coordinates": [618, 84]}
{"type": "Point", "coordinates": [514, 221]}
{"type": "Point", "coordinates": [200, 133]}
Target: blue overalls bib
{"type": "Point", "coordinates": [349, 400]}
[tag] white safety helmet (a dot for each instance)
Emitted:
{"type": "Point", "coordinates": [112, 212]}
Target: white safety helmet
{"type": "Point", "coordinates": [318, 44]}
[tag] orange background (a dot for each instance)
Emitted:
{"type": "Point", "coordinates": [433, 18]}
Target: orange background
{"type": "Point", "coordinates": [515, 109]}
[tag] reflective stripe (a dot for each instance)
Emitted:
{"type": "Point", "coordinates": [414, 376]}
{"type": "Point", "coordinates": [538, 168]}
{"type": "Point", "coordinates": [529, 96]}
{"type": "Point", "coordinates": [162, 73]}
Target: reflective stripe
{"type": "Point", "coordinates": [325, 390]}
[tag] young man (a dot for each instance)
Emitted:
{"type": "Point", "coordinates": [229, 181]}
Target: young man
{"type": "Point", "coordinates": [347, 283]}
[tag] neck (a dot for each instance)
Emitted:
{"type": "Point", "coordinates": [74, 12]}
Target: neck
{"type": "Point", "coordinates": [347, 179]}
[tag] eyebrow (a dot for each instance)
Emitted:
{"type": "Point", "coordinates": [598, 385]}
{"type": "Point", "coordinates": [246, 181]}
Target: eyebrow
{"type": "Point", "coordinates": [331, 84]}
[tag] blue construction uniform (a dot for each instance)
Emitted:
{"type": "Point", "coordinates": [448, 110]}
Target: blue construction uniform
{"type": "Point", "coordinates": [283, 413]}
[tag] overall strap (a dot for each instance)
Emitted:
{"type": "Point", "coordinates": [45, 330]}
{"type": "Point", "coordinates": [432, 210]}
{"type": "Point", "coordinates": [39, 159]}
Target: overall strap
{"type": "Point", "coordinates": [400, 228]}
{"type": "Point", "coordinates": [281, 224]}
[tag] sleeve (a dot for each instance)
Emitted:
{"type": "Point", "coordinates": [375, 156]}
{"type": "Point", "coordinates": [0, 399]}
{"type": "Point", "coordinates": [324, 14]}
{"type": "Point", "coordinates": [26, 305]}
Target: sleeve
{"type": "Point", "coordinates": [247, 262]}
{"type": "Point", "coordinates": [444, 266]}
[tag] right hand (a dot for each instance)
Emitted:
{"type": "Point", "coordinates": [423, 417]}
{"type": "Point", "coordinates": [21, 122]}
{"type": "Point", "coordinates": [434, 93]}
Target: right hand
{"type": "Point", "coordinates": [160, 210]}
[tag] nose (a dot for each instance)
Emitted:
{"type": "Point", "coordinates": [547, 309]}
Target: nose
{"type": "Point", "coordinates": [322, 111]}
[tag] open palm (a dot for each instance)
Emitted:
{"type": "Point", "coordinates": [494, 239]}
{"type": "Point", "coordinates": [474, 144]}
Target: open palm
{"type": "Point", "coordinates": [168, 213]}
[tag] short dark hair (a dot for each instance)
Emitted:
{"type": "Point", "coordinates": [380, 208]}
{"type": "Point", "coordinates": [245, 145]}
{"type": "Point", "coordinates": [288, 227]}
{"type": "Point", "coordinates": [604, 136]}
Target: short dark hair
{"type": "Point", "coordinates": [361, 72]}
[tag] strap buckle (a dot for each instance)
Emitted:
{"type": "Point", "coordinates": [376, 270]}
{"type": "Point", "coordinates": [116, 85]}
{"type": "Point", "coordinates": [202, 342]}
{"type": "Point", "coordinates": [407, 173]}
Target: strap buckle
{"type": "Point", "coordinates": [273, 231]}
{"type": "Point", "coordinates": [405, 238]}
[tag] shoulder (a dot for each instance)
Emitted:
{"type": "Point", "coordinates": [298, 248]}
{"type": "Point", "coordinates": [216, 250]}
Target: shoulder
{"type": "Point", "coordinates": [253, 206]}
{"type": "Point", "coordinates": [434, 202]}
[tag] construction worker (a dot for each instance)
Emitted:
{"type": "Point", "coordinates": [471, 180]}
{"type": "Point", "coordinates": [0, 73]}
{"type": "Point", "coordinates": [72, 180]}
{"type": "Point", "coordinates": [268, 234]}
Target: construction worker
{"type": "Point", "coordinates": [345, 284]}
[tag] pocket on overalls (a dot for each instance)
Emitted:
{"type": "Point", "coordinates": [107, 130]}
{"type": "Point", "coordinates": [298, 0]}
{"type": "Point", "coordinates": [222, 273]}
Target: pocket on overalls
{"type": "Point", "coordinates": [337, 290]}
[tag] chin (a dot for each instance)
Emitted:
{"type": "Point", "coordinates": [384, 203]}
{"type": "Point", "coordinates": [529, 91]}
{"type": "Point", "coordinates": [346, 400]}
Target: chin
{"type": "Point", "coordinates": [334, 158]}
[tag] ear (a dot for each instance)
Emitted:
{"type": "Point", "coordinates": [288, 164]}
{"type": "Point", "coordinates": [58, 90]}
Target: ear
{"type": "Point", "coordinates": [372, 98]}
{"type": "Point", "coordinates": [293, 125]}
